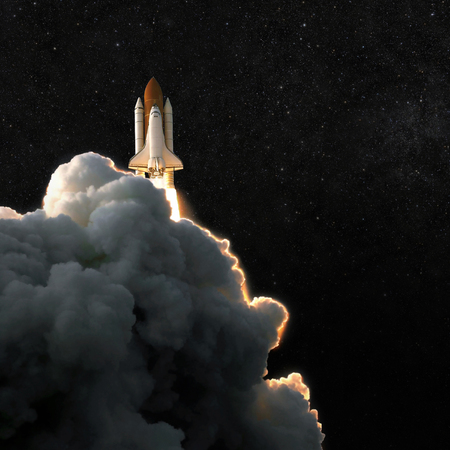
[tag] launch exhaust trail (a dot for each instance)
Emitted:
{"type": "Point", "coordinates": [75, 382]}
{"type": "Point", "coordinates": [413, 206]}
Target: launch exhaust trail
{"type": "Point", "coordinates": [154, 143]}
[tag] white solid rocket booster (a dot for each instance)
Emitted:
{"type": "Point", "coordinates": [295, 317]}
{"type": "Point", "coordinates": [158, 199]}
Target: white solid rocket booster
{"type": "Point", "coordinates": [138, 131]}
{"type": "Point", "coordinates": [168, 125]}
{"type": "Point", "coordinates": [168, 132]}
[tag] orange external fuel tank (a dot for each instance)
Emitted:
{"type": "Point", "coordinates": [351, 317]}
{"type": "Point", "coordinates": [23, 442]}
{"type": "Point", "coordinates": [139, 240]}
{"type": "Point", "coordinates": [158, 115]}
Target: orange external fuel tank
{"type": "Point", "coordinates": [152, 94]}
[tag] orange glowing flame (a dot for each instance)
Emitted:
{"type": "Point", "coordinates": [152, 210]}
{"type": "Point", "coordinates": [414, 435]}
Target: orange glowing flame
{"type": "Point", "coordinates": [171, 196]}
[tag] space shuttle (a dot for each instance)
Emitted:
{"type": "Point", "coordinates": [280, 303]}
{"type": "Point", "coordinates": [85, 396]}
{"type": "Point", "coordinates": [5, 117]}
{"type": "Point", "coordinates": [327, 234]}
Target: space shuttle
{"type": "Point", "coordinates": [153, 129]}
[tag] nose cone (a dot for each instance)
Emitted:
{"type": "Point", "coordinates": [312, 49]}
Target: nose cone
{"type": "Point", "coordinates": [153, 94]}
{"type": "Point", "coordinates": [168, 107]}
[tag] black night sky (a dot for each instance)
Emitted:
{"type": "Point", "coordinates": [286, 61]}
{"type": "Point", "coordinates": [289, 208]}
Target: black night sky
{"type": "Point", "coordinates": [315, 137]}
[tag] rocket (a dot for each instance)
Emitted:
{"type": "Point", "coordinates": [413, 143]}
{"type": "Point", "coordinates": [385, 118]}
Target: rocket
{"type": "Point", "coordinates": [153, 129]}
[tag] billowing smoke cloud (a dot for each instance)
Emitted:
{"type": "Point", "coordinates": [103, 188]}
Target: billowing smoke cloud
{"type": "Point", "coordinates": [121, 329]}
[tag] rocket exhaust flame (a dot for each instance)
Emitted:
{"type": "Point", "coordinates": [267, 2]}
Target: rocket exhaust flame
{"type": "Point", "coordinates": [171, 196]}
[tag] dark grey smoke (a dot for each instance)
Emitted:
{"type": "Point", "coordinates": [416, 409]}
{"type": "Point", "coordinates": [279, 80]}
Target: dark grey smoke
{"type": "Point", "coordinates": [121, 329]}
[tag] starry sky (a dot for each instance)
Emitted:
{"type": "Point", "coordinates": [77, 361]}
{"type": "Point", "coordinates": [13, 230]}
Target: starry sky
{"type": "Point", "coordinates": [314, 136]}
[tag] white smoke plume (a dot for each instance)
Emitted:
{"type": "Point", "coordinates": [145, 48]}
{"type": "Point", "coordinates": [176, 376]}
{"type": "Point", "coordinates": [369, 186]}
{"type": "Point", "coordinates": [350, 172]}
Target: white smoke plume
{"type": "Point", "coordinates": [122, 329]}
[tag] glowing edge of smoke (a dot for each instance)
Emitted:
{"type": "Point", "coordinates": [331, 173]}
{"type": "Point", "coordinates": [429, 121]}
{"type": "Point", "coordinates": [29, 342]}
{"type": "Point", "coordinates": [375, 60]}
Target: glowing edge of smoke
{"type": "Point", "coordinates": [224, 245]}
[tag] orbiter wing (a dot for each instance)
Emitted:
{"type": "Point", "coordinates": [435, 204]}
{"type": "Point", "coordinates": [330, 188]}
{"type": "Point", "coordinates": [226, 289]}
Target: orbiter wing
{"type": "Point", "coordinates": [140, 160]}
